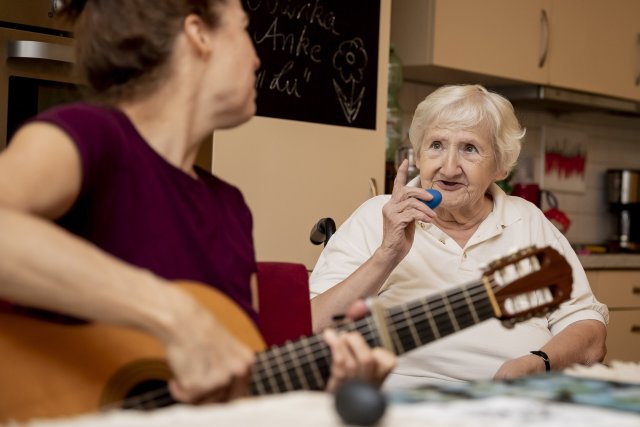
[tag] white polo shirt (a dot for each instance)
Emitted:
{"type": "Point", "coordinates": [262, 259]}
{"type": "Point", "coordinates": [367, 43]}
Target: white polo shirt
{"type": "Point", "coordinates": [436, 263]}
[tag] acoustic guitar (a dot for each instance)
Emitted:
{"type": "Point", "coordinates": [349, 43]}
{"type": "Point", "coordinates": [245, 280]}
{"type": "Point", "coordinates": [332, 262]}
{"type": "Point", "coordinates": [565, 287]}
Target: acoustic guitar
{"type": "Point", "coordinates": [51, 369]}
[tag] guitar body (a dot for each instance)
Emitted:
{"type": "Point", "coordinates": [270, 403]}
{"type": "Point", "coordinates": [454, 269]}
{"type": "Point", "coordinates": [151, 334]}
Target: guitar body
{"type": "Point", "coordinates": [51, 369]}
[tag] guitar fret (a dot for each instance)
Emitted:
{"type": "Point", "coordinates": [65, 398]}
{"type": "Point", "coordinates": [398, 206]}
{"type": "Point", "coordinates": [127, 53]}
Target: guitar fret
{"type": "Point", "coordinates": [412, 328]}
{"type": "Point", "coordinates": [323, 364]}
{"type": "Point", "coordinates": [394, 333]}
{"type": "Point", "coordinates": [257, 385]}
{"type": "Point", "coordinates": [374, 341]}
{"type": "Point", "coordinates": [441, 317]}
{"type": "Point", "coordinates": [279, 380]}
{"type": "Point", "coordinates": [313, 366]}
{"type": "Point", "coordinates": [485, 311]}
{"type": "Point", "coordinates": [405, 330]}
{"type": "Point", "coordinates": [472, 308]}
{"type": "Point", "coordinates": [292, 361]}
{"type": "Point", "coordinates": [432, 323]}
{"type": "Point", "coordinates": [452, 317]}
{"type": "Point", "coordinates": [284, 371]}
{"type": "Point", "coordinates": [298, 366]}
{"type": "Point", "coordinates": [424, 325]}
{"type": "Point", "coordinates": [482, 306]}
{"type": "Point", "coordinates": [367, 328]}
{"type": "Point", "coordinates": [271, 378]}
{"type": "Point", "coordinates": [461, 309]}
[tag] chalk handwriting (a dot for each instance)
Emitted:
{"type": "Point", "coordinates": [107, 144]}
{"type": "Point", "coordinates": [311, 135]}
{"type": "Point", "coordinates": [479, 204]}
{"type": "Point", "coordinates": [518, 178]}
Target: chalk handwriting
{"type": "Point", "coordinates": [319, 59]}
{"type": "Point", "coordinates": [287, 42]}
{"type": "Point", "coordinates": [312, 12]}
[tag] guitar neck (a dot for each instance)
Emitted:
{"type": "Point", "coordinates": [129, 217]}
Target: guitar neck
{"type": "Point", "coordinates": [420, 322]}
{"type": "Point", "coordinates": [305, 364]}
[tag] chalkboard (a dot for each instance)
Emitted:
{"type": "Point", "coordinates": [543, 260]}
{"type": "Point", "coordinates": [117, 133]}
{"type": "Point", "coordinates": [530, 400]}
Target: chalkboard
{"type": "Point", "coordinates": [319, 59]}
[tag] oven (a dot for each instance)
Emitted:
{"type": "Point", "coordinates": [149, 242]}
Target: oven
{"type": "Point", "coordinates": [36, 62]}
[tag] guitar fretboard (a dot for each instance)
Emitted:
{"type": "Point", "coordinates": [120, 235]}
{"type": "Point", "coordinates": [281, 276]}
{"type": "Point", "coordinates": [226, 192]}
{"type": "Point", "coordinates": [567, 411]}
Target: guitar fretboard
{"type": "Point", "coordinates": [305, 364]}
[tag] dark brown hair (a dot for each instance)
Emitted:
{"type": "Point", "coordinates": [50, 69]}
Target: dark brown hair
{"type": "Point", "coordinates": [123, 46]}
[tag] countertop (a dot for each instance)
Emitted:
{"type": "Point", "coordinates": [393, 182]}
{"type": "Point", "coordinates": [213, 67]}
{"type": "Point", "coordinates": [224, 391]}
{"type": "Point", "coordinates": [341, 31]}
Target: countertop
{"type": "Point", "coordinates": [610, 261]}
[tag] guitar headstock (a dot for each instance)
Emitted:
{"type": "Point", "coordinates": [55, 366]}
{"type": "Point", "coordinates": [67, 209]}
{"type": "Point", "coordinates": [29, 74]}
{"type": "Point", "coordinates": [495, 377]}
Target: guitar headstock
{"type": "Point", "coordinates": [528, 283]}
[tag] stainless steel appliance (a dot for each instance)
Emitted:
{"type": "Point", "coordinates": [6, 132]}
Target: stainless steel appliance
{"type": "Point", "coordinates": [623, 192]}
{"type": "Point", "coordinates": [36, 62]}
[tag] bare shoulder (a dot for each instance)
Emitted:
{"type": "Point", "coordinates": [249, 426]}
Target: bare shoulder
{"type": "Point", "coordinates": [40, 171]}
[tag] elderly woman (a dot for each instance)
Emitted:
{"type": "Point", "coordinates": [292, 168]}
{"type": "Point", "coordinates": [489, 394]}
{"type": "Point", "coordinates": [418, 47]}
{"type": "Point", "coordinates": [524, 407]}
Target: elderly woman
{"type": "Point", "coordinates": [112, 209]}
{"type": "Point", "coordinates": [397, 248]}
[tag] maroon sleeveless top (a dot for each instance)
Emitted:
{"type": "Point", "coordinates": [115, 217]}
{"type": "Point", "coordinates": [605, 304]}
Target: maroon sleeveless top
{"type": "Point", "coordinates": [138, 207]}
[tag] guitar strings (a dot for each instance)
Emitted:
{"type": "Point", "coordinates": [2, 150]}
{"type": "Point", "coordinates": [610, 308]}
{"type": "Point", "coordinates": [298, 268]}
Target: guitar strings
{"type": "Point", "coordinates": [455, 299]}
{"type": "Point", "coordinates": [162, 395]}
{"type": "Point", "coordinates": [436, 308]}
{"type": "Point", "coordinates": [416, 320]}
{"type": "Point", "coordinates": [284, 370]}
{"type": "Point", "coordinates": [147, 400]}
{"type": "Point", "coordinates": [315, 346]}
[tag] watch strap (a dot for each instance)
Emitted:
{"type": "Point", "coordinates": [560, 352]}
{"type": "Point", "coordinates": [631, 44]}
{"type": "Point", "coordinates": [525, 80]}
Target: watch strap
{"type": "Point", "coordinates": [543, 355]}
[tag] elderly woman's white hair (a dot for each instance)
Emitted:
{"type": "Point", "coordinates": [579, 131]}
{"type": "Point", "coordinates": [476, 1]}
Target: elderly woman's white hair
{"type": "Point", "coordinates": [470, 107]}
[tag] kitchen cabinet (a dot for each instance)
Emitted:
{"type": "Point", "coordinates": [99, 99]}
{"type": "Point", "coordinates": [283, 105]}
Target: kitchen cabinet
{"type": "Point", "coordinates": [441, 40]}
{"type": "Point", "coordinates": [585, 45]}
{"type": "Point", "coordinates": [620, 291]}
{"type": "Point", "coordinates": [594, 46]}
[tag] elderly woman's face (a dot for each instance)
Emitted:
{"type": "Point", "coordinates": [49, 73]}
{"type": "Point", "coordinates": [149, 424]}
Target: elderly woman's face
{"type": "Point", "coordinates": [460, 164]}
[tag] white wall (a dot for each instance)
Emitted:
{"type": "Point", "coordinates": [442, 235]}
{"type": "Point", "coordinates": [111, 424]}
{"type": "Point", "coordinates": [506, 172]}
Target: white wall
{"type": "Point", "coordinates": [613, 142]}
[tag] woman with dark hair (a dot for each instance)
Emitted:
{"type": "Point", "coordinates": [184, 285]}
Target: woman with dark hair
{"type": "Point", "coordinates": [111, 208]}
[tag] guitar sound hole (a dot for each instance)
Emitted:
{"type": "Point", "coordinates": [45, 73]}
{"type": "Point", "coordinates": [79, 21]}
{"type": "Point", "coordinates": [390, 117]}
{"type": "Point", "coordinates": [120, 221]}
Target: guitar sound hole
{"type": "Point", "coordinates": [147, 395]}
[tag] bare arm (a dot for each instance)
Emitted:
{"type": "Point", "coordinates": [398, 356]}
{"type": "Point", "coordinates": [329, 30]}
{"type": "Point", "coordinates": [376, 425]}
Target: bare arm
{"type": "Point", "coordinates": [399, 220]}
{"type": "Point", "coordinates": [363, 283]}
{"type": "Point", "coordinates": [582, 342]}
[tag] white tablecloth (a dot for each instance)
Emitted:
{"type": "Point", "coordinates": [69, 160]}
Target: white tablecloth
{"type": "Point", "coordinates": [311, 409]}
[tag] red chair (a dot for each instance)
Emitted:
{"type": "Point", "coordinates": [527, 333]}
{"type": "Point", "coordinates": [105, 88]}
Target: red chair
{"type": "Point", "coordinates": [284, 311]}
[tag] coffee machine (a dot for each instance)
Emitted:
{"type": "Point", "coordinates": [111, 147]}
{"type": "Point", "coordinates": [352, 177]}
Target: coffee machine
{"type": "Point", "coordinates": [623, 192]}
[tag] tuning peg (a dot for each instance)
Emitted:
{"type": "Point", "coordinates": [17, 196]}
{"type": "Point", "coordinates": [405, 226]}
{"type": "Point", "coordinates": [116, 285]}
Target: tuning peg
{"type": "Point", "coordinates": [513, 250]}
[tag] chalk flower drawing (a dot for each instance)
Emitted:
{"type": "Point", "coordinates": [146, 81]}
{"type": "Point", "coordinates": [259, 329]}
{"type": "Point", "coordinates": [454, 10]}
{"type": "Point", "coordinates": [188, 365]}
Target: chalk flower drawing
{"type": "Point", "coordinates": [350, 60]}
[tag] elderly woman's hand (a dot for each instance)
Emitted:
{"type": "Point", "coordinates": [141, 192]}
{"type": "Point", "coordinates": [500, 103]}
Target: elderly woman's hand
{"type": "Point", "coordinates": [519, 367]}
{"type": "Point", "coordinates": [400, 214]}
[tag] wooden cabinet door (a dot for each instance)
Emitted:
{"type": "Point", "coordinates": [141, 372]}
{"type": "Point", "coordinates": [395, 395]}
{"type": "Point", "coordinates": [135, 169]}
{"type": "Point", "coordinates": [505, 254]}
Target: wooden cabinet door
{"type": "Point", "coordinates": [502, 38]}
{"type": "Point", "coordinates": [499, 38]}
{"type": "Point", "coordinates": [623, 336]}
{"type": "Point", "coordinates": [620, 291]}
{"type": "Point", "coordinates": [595, 46]}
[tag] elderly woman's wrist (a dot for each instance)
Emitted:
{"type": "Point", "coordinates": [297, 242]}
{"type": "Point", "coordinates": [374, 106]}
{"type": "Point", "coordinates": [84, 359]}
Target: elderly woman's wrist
{"type": "Point", "coordinates": [387, 257]}
{"type": "Point", "coordinates": [542, 361]}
